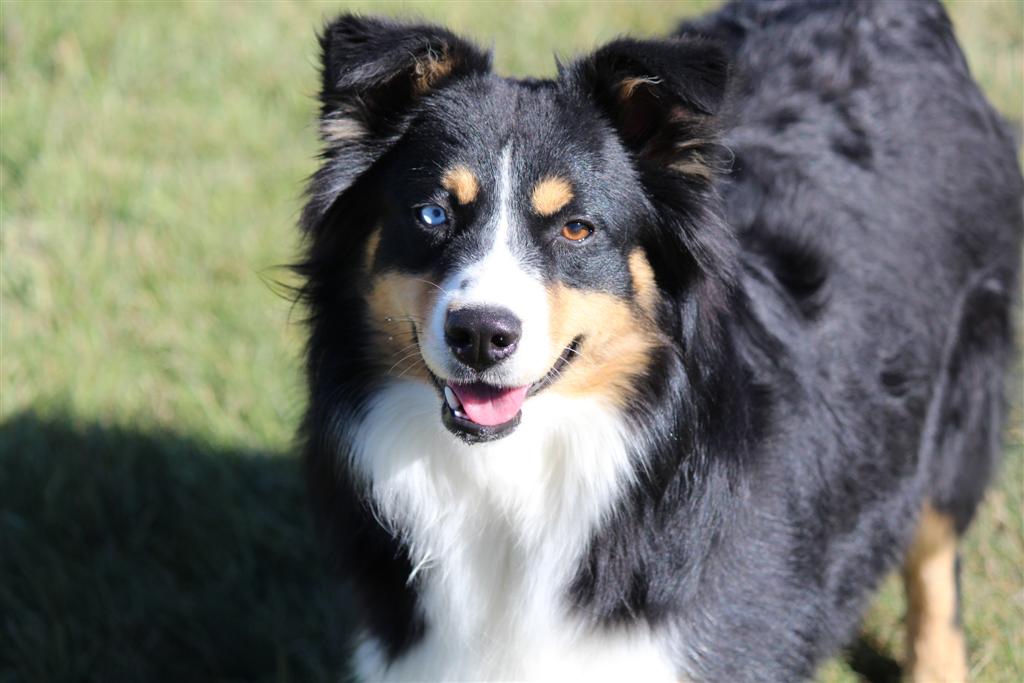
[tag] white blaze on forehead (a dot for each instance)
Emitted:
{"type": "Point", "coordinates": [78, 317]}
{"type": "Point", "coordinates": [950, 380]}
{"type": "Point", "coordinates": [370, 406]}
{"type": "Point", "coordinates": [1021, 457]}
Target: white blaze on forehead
{"type": "Point", "coordinates": [503, 218]}
{"type": "Point", "coordinates": [498, 279]}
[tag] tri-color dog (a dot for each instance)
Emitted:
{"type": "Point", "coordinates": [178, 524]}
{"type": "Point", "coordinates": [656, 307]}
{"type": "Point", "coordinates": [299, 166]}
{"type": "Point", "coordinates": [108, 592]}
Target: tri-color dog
{"type": "Point", "coordinates": [653, 371]}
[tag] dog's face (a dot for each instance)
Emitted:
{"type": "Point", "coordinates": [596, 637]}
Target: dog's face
{"type": "Point", "coordinates": [507, 252]}
{"type": "Point", "coordinates": [505, 228]}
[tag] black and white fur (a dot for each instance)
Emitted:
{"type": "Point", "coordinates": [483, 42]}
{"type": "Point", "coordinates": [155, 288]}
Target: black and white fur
{"type": "Point", "coordinates": [832, 215]}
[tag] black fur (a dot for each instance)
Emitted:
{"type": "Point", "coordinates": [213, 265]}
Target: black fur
{"type": "Point", "coordinates": [837, 303]}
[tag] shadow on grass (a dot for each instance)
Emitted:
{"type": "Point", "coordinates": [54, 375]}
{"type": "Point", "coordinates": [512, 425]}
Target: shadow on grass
{"type": "Point", "coordinates": [150, 556]}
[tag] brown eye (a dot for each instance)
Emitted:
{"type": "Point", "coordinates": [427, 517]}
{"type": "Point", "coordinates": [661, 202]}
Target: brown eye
{"type": "Point", "coordinates": [577, 231]}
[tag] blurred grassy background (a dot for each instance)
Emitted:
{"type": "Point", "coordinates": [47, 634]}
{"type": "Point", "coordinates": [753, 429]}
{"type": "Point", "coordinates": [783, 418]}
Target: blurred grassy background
{"type": "Point", "coordinates": [152, 524]}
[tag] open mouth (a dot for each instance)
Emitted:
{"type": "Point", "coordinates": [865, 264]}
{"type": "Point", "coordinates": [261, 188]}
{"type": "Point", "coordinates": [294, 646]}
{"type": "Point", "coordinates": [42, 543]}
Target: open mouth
{"type": "Point", "coordinates": [478, 412]}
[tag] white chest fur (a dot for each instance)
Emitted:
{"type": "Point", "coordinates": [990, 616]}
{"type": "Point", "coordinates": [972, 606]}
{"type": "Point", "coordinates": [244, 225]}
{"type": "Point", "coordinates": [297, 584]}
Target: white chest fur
{"type": "Point", "coordinates": [495, 532]}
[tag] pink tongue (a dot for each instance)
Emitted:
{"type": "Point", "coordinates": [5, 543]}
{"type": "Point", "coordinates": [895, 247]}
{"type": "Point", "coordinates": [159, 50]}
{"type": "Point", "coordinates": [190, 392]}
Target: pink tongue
{"type": "Point", "coordinates": [489, 406]}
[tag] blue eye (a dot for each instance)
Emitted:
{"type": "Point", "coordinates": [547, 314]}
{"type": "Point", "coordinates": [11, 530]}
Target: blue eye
{"type": "Point", "coordinates": [431, 215]}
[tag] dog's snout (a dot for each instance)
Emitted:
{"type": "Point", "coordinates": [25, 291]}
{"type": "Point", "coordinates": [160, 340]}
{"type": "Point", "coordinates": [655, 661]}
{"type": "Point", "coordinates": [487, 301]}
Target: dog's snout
{"type": "Point", "coordinates": [481, 337]}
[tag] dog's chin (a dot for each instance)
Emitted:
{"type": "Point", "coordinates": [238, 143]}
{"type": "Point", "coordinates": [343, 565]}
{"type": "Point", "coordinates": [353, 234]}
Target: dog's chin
{"type": "Point", "coordinates": [471, 432]}
{"type": "Point", "coordinates": [459, 423]}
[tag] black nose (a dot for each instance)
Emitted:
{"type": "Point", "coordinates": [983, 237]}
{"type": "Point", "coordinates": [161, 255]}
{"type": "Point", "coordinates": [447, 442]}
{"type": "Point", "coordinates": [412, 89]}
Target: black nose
{"type": "Point", "coordinates": [481, 337]}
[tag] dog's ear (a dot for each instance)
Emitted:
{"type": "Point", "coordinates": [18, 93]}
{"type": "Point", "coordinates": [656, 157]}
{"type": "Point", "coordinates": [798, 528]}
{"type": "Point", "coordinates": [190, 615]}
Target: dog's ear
{"type": "Point", "coordinates": [661, 97]}
{"type": "Point", "coordinates": [374, 71]}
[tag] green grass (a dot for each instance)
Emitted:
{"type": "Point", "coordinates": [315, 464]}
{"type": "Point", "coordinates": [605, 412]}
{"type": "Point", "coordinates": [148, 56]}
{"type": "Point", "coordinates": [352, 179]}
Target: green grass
{"type": "Point", "coordinates": [152, 518]}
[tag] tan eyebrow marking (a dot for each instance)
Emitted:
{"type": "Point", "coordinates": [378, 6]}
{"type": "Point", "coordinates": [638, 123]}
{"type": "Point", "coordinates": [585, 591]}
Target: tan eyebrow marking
{"type": "Point", "coordinates": [550, 195]}
{"type": "Point", "coordinates": [461, 182]}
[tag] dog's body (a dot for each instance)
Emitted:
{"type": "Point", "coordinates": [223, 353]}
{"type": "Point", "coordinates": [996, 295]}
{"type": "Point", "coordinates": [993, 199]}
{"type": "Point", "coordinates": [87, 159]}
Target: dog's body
{"type": "Point", "coordinates": [598, 394]}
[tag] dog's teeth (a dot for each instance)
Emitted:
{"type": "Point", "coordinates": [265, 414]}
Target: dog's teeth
{"type": "Point", "coordinates": [453, 402]}
{"type": "Point", "coordinates": [459, 414]}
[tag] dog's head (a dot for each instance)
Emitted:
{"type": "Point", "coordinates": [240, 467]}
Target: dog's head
{"type": "Point", "coordinates": [498, 238]}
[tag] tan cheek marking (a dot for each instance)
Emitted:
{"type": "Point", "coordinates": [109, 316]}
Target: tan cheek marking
{"type": "Point", "coordinates": [550, 195]}
{"type": "Point", "coordinates": [936, 647]}
{"type": "Point", "coordinates": [399, 303]}
{"type": "Point", "coordinates": [616, 348]}
{"type": "Point", "coordinates": [643, 281]}
{"type": "Point", "coordinates": [461, 182]}
{"type": "Point", "coordinates": [372, 244]}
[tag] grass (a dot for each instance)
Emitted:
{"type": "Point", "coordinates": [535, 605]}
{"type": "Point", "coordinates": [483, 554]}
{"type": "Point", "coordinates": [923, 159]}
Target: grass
{"type": "Point", "coordinates": [152, 520]}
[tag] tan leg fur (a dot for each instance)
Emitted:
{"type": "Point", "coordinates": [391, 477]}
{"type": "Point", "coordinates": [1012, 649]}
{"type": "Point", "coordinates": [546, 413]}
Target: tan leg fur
{"type": "Point", "coordinates": [936, 652]}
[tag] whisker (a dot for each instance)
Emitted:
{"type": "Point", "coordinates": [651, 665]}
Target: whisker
{"type": "Point", "coordinates": [406, 339]}
{"type": "Point", "coordinates": [402, 373]}
{"type": "Point", "coordinates": [433, 284]}
{"type": "Point", "coordinates": [402, 318]}
{"type": "Point", "coordinates": [405, 349]}
{"type": "Point", "coordinates": [413, 361]}
{"type": "Point", "coordinates": [413, 354]}
{"type": "Point", "coordinates": [403, 335]}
